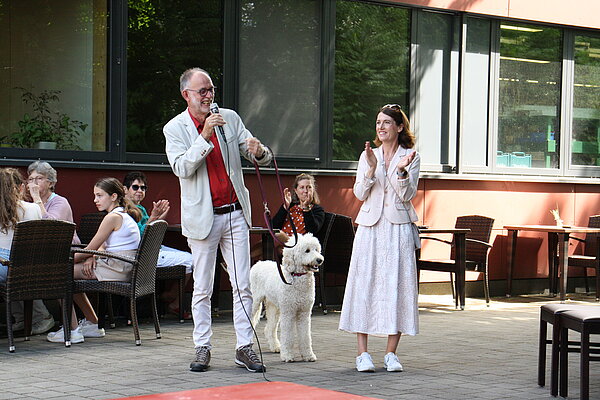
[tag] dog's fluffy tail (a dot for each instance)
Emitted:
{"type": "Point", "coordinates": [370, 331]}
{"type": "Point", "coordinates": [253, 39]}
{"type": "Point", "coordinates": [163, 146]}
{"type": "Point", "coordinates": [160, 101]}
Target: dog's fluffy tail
{"type": "Point", "coordinates": [257, 307]}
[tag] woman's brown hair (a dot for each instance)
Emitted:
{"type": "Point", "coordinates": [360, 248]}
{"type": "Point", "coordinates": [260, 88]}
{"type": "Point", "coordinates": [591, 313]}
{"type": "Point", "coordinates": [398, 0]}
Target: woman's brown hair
{"type": "Point", "coordinates": [112, 186]}
{"type": "Point", "coordinates": [406, 138]}
{"type": "Point", "coordinates": [10, 187]}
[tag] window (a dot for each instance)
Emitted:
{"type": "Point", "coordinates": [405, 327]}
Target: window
{"type": "Point", "coordinates": [586, 101]}
{"type": "Point", "coordinates": [164, 39]}
{"type": "Point", "coordinates": [54, 77]}
{"type": "Point", "coordinates": [529, 96]}
{"type": "Point", "coordinates": [475, 94]}
{"type": "Point", "coordinates": [372, 48]}
{"type": "Point", "coordinates": [279, 74]}
{"type": "Point", "coordinates": [435, 77]}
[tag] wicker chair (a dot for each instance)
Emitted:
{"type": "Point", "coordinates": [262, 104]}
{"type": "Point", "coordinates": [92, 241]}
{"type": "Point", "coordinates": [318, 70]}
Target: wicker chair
{"type": "Point", "coordinates": [40, 267]}
{"type": "Point", "coordinates": [143, 276]}
{"type": "Point", "coordinates": [336, 237]}
{"type": "Point", "coordinates": [591, 255]}
{"type": "Point", "coordinates": [88, 226]}
{"type": "Point", "coordinates": [477, 249]}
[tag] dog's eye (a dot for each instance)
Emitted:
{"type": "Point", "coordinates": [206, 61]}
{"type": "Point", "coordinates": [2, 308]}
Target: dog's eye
{"type": "Point", "coordinates": [307, 250]}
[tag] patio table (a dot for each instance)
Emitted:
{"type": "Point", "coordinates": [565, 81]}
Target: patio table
{"type": "Point", "coordinates": [558, 247]}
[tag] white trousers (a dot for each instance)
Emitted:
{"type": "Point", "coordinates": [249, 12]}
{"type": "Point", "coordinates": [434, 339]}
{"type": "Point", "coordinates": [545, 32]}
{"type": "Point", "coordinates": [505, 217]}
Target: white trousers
{"type": "Point", "coordinates": [40, 311]}
{"type": "Point", "coordinates": [169, 256]}
{"type": "Point", "coordinates": [230, 232]}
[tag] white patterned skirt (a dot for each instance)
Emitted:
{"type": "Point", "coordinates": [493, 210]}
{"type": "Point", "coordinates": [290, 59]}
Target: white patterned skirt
{"type": "Point", "coordinates": [381, 296]}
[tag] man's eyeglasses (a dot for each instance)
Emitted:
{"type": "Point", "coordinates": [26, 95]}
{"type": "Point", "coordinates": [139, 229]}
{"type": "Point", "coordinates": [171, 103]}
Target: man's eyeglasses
{"type": "Point", "coordinates": [396, 107]}
{"type": "Point", "coordinates": [36, 179]}
{"type": "Point", "coordinates": [138, 187]}
{"type": "Point", "coordinates": [204, 91]}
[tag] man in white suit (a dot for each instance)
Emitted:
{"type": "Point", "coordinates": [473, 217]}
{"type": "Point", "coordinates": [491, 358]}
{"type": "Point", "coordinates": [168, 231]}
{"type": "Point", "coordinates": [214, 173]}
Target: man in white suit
{"type": "Point", "coordinates": [215, 207]}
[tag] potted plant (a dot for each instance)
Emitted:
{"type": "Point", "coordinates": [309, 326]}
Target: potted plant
{"type": "Point", "coordinates": [46, 128]}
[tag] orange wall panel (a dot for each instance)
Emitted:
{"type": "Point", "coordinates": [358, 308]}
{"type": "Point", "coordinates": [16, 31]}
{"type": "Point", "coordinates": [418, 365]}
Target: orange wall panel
{"type": "Point", "coordinates": [438, 203]}
{"type": "Point", "coordinates": [582, 13]}
{"type": "Point", "coordinates": [488, 7]}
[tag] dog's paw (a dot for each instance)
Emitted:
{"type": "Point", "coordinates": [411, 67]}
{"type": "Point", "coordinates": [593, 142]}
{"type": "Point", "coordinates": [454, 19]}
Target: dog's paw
{"type": "Point", "coordinates": [309, 357]}
{"type": "Point", "coordinates": [287, 357]}
{"type": "Point", "coordinates": [275, 349]}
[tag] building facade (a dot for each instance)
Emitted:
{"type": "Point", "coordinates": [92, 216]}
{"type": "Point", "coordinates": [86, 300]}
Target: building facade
{"type": "Point", "coordinates": [504, 97]}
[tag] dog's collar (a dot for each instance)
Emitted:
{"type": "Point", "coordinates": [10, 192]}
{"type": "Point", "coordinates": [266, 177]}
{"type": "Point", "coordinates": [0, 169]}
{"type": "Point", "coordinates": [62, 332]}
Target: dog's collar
{"type": "Point", "coordinates": [298, 273]}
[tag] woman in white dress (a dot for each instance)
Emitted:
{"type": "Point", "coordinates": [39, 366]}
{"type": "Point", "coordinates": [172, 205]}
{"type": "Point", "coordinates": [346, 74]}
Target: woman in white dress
{"type": "Point", "coordinates": [381, 290]}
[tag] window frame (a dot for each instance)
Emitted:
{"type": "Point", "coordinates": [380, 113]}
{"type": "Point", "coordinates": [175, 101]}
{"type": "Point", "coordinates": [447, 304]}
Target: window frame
{"type": "Point", "coordinates": [116, 153]}
{"type": "Point", "coordinates": [571, 169]}
{"type": "Point", "coordinates": [566, 168]}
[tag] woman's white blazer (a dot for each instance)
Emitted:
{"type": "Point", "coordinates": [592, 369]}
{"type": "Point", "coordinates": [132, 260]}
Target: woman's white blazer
{"type": "Point", "coordinates": [386, 194]}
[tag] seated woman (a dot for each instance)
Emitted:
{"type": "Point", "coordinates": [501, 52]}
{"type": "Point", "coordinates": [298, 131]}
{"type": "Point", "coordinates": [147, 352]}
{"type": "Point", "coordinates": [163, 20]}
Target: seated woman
{"type": "Point", "coordinates": [118, 233]}
{"type": "Point", "coordinates": [306, 213]}
{"type": "Point", "coordinates": [41, 183]}
{"type": "Point", "coordinates": [12, 210]}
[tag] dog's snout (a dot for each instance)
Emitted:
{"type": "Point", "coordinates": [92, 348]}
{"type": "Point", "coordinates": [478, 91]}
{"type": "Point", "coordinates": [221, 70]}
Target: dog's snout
{"type": "Point", "coordinates": [319, 261]}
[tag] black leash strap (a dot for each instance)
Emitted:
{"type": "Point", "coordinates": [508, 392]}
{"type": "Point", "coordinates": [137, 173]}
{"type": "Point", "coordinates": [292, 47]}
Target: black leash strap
{"type": "Point", "coordinates": [267, 212]}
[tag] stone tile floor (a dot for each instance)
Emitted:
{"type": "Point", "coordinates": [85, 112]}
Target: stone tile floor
{"type": "Point", "coordinates": [479, 353]}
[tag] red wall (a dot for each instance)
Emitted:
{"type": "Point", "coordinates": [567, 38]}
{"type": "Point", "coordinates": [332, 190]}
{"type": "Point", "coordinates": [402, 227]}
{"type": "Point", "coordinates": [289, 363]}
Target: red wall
{"type": "Point", "coordinates": [438, 203]}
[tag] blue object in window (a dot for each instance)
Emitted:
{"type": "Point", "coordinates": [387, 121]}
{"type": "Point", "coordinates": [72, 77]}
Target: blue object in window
{"type": "Point", "coordinates": [502, 159]}
{"type": "Point", "coordinates": [520, 159]}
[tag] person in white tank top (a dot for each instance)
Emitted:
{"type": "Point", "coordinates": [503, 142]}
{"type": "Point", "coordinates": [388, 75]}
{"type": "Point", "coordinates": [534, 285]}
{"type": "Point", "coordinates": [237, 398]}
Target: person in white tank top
{"type": "Point", "coordinates": [118, 233]}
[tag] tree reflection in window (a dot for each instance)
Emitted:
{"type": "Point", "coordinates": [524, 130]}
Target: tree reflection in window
{"type": "Point", "coordinates": [164, 38]}
{"type": "Point", "coordinates": [529, 99]}
{"type": "Point", "coordinates": [372, 50]}
{"type": "Point", "coordinates": [586, 101]}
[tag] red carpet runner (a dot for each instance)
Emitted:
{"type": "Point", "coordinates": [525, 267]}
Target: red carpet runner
{"type": "Point", "coordinates": [254, 391]}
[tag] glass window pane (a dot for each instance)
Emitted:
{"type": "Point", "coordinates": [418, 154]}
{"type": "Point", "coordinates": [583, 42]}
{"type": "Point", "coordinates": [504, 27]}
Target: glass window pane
{"type": "Point", "coordinates": [279, 70]}
{"type": "Point", "coordinates": [586, 101]}
{"type": "Point", "coordinates": [164, 39]}
{"type": "Point", "coordinates": [475, 93]}
{"type": "Point", "coordinates": [372, 49]}
{"type": "Point", "coordinates": [53, 76]}
{"type": "Point", "coordinates": [529, 98]}
{"type": "Point", "coordinates": [436, 78]}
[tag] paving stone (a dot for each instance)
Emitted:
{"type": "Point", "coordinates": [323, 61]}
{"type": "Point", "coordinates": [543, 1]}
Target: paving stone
{"type": "Point", "coordinates": [480, 353]}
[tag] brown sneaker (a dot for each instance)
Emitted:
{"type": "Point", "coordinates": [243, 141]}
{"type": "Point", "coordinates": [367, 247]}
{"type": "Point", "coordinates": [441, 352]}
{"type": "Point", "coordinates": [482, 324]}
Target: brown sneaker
{"type": "Point", "coordinates": [200, 364]}
{"type": "Point", "coordinates": [246, 357]}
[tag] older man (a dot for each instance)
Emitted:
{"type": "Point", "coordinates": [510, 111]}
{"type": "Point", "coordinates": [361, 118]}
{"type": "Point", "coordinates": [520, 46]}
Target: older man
{"type": "Point", "coordinates": [204, 151]}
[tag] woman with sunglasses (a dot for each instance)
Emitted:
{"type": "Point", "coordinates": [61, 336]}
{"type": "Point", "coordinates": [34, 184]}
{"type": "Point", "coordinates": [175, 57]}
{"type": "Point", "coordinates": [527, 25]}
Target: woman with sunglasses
{"type": "Point", "coordinates": [381, 291]}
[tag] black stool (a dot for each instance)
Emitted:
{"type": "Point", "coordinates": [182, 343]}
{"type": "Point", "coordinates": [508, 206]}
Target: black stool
{"type": "Point", "coordinates": [549, 315]}
{"type": "Point", "coordinates": [586, 321]}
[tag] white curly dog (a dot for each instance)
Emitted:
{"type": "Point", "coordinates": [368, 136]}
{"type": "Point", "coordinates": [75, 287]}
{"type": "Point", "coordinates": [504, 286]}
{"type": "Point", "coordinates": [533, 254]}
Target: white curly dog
{"type": "Point", "coordinates": [289, 306]}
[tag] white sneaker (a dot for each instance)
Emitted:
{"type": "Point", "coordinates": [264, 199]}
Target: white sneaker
{"type": "Point", "coordinates": [364, 363]}
{"type": "Point", "coordinates": [42, 326]}
{"type": "Point", "coordinates": [59, 336]}
{"type": "Point", "coordinates": [391, 362]}
{"type": "Point", "coordinates": [90, 330]}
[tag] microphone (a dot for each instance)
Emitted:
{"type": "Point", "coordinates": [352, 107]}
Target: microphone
{"type": "Point", "coordinates": [214, 109]}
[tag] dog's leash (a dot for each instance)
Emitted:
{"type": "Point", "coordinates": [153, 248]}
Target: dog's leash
{"type": "Point", "coordinates": [267, 212]}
